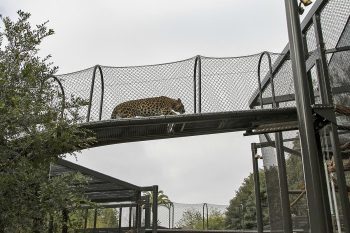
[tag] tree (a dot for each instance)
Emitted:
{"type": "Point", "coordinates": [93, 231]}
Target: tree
{"type": "Point", "coordinates": [241, 213]}
{"type": "Point", "coordinates": [106, 217]}
{"type": "Point", "coordinates": [33, 133]}
{"type": "Point", "coordinates": [162, 198]}
{"type": "Point", "coordinates": [193, 219]}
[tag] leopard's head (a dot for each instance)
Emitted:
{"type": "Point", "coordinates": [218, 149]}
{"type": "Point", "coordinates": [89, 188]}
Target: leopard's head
{"type": "Point", "coordinates": [178, 106]}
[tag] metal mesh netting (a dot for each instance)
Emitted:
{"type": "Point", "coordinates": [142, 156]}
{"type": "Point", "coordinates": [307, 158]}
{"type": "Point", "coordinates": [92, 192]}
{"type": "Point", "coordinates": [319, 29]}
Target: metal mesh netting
{"type": "Point", "coordinates": [229, 83]}
{"type": "Point", "coordinates": [174, 80]}
{"type": "Point", "coordinates": [189, 216]}
{"type": "Point", "coordinates": [334, 16]}
{"type": "Point", "coordinates": [339, 70]}
{"type": "Point", "coordinates": [226, 84]}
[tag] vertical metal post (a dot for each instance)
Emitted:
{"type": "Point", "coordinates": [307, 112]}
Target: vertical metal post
{"type": "Point", "coordinates": [120, 220]}
{"type": "Point", "coordinates": [95, 221]}
{"type": "Point", "coordinates": [147, 212]}
{"type": "Point", "coordinates": [309, 76]}
{"type": "Point", "coordinates": [200, 84]}
{"type": "Point", "coordinates": [205, 207]}
{"type": "Point", "coordinates": [155, 209]}
{"type": "Point", "coordinates": [92, 92]}
{"type": "Point", "coordinates": [317, 214]}
{"type": "Point", "coordinates": [138, 212]}
{"type": "Point", "coordinates": [195, 84]}
{"type": "Point", "coordinates": [259, 215]}
{"type": "Point", "coordinates": [282, 171]}
{"type": "Point", "coordinates": [339, 171]}
{"type": "Point", "coordinates": [283, 183]}
{"type": "Point", "coordinates": [169, 219]}
{"type": "Point", "coordinates": [102, 92]}
{"type": "Point", "coordinates": [326, 97]}
{"type": "Point", "coordinates": [130, 217]}
{"type": "Point", "coordinates": [173, 213]}
{"type": "Point", "coordinates": [326, 157]}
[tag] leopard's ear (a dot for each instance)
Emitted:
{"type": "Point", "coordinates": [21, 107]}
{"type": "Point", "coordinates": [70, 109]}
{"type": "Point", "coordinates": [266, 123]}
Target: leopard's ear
{"type": "Point", "coordinates": [178, 100]}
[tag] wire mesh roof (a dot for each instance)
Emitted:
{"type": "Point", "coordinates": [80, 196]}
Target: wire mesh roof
{"type": "Point", "coordinates": [100, 188]}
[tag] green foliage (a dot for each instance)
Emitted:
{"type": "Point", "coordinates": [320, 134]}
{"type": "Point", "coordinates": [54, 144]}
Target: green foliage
{"type": "Point", "coordinates": [241, 213]}
{"type": "Point", "coordinates": [162, 198]}
{"type": "Point", "coordinates": [106, 217]}
{"type": "Point", "coordinates": [192, 219]}
{"type": "Point", "coordinates": [32, 132]}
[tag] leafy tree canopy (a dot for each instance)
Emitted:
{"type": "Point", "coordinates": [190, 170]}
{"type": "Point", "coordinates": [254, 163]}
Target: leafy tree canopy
{"type": "Point", "coordinates": [33, 133]}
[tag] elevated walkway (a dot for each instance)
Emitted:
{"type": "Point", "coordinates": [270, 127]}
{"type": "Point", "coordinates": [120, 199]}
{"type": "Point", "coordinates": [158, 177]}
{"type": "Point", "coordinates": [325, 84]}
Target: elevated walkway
{"type": "Point", "coordinates": [142, 129]}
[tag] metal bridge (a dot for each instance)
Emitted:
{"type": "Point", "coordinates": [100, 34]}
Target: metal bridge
{"type": "Point", "coordinates": [252, 93]}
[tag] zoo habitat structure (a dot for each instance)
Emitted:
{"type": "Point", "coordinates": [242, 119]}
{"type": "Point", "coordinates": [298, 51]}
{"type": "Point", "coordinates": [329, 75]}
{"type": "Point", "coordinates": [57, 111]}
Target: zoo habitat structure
{"type": "Point", "coordinates": [266, 94]}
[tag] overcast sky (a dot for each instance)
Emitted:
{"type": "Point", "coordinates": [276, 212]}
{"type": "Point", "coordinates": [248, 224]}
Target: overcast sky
{"type": "Point", "coordinates": [124, 33]}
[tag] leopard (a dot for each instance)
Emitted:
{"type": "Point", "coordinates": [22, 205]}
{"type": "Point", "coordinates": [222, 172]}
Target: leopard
{"type": "Point", "coordinates": [153, 106]}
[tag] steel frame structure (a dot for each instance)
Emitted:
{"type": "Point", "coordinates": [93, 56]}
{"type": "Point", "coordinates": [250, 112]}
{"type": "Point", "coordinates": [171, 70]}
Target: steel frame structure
{"type": "Point", "coordinates": [319, 210]}
{"type": "Point", "coordinates": [110, 192]}
{"type": "Point", "coordinates": [305, 117]}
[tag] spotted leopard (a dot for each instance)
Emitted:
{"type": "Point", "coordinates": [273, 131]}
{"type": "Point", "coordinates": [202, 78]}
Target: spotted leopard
{"type": "Point", "coordinates": [154, 106]}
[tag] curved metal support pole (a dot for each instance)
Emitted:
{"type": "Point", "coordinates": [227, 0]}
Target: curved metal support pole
{"type": "Point", "coordinates": [92, 92]}
{"type": "Point", "coordinates": [197, 65]}
{"type": "Point", "coordinates": [206, 206]}
{"type": "Point", "coordinates": [274, 104]}
{"type": "Point", "coordinates": [282, 173]}
{"type": "Point", "coordinates": [63, 93]}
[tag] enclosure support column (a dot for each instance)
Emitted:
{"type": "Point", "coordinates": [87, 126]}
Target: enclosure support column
{"type": "Point", "coordinates": [197, 73]}
{"type": "Point", "coordinates": [282, 173]}
{"type": "Point", "coordinates": [130, 216]}
{"type": "Point", "coordinates": [307, 132]}
{"type": "Point", "coordinates": [120, 220]}
{"type": "Point", "coordinates": [155, 209]}
{"type": "Point", "coordinates": [173, 213]}
{"type": "Point", "coordinates": [326, 97]}
{"type": "Point", "coordinates": [205, 207]}
{"type": "Point", "coordinates": [95, 220]}
{"type": "Point", "coordinates": [147, 212]}
{"type": "Point", "coordinates": [259, 216]}
{"type": "Point", "coordinates": [138, 212]}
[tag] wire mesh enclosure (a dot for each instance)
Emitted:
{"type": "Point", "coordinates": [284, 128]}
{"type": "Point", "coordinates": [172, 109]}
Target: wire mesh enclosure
{"type": "Point", "coordinates": [214, 85]}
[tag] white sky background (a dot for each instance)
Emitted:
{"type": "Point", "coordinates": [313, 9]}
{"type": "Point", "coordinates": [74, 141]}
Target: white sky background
{"type": "Point", "coordinates": [137, 32]}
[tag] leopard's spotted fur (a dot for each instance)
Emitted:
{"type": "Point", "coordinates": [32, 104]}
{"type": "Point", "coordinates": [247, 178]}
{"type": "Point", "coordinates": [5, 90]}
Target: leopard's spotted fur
{"type": "Point", "coordinates": [154, 106]}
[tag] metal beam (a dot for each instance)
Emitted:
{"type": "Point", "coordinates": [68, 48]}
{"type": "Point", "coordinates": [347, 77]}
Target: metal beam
{"type": "Point", "coordinates": [283, 183]}
{"type": "Point", "coordinates": [317, 7]}
{"type": "Point", "coordinates": [317, 215]}
{"type": "Point", "coordinates": [327, 98]}
{"type": "Point", "coordinates": [155, 209]}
